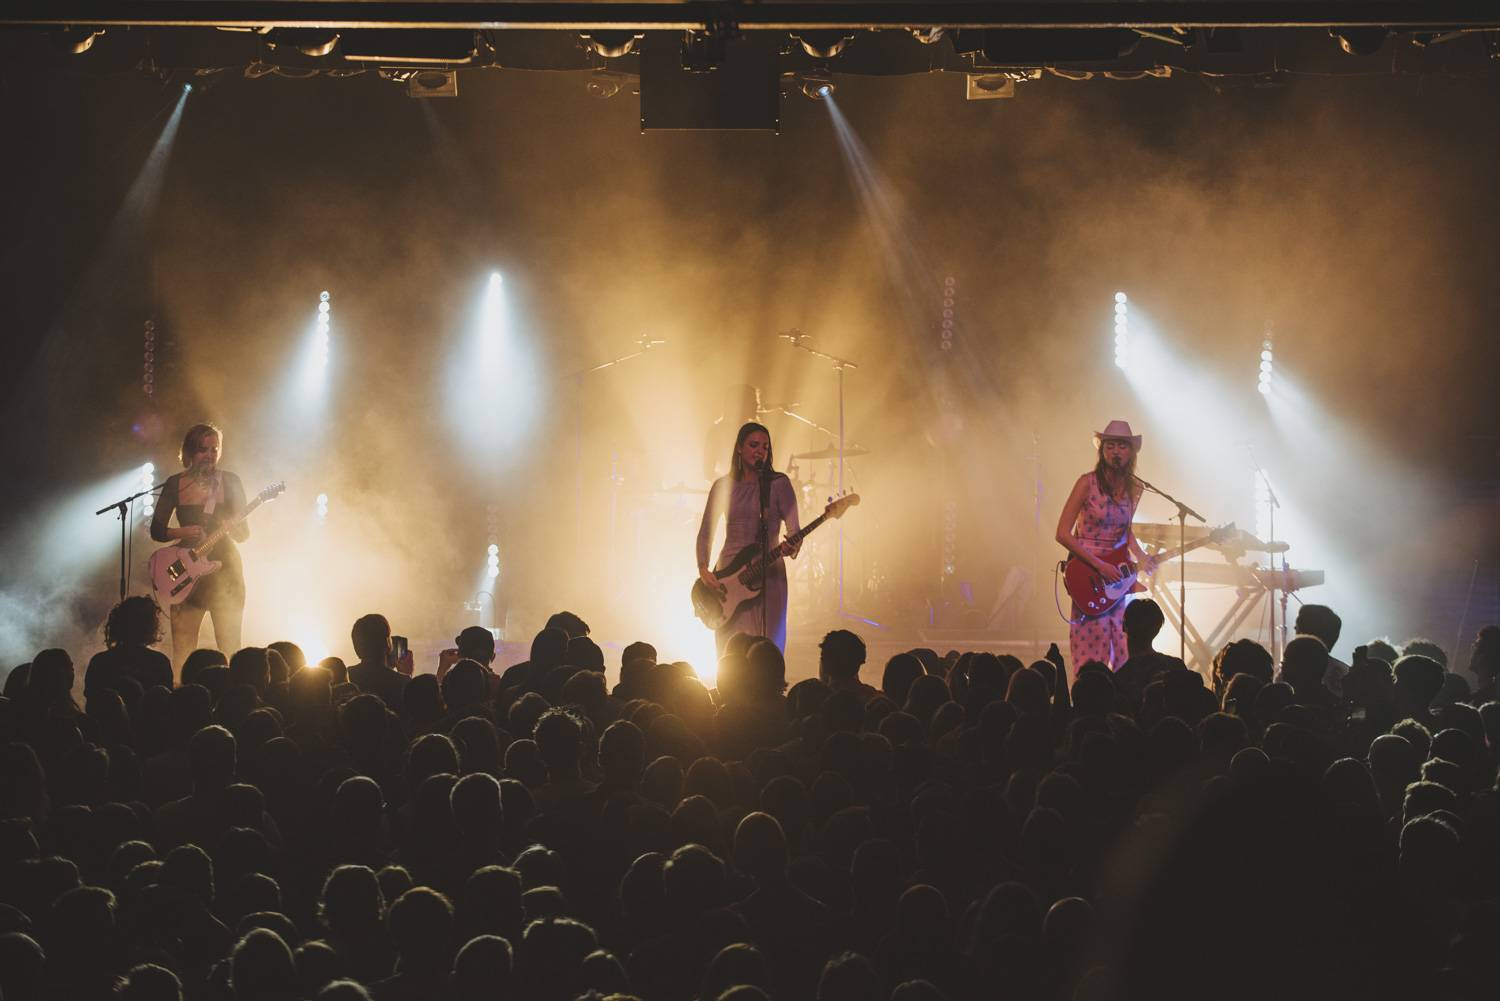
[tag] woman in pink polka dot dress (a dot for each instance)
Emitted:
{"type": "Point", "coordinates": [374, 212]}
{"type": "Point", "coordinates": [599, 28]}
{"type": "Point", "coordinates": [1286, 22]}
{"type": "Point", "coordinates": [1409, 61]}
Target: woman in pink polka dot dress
{"type": "Point", "coordinates": [1096, 519]}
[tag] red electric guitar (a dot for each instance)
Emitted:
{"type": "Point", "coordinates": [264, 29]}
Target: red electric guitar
{"type": "Point", "coordinates": [1095, 596]}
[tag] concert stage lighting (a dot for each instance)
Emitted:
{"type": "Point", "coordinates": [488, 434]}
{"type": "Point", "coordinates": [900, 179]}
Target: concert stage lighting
{"type": "Point", "coordinates": [492, 562]}
{"type": "Point", "coordinates": [325, 319]}
{"type": "Point", "coordinates": [1360, 41]}
{"type": "Point", "coordinates": [313, 42]}
{"type": "Point", "coordinates": [1122, 330]}
{"type": "Point", "coordinates": [824, 44]}
{"type": "Point", "coordinates": [603, 84]}
{"type": "Point", "coordinates": [1263, 384]}
{"type": "Point", "coordinates": [322, 508]}
{"type": "Point", "coordinates": [817, 85]}
{"type": "Point", "coordinates": [432, 83]}
{"type": "Point", "coordinates": [147, 481]}
{"type": "Point", "coordinates": [611, 44]}
{"type": "Point", "coordinates": [76, 40]}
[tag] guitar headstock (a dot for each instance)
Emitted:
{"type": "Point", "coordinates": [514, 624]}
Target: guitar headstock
{"type": "Point", "coordinates": [838, 505]}
{"type": "Point", "coordinates": [1222, 534]}
{"type": "Point", "coordinates": [273, 491]}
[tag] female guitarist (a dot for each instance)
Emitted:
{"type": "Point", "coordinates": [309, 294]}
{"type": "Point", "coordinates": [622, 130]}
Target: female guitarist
{"type": "Point", "coordinates": [752, 499]}
{"type": "Point", "coordinates": [203, 495]}
{"type": "Point", "coordinates": [1096, 519]}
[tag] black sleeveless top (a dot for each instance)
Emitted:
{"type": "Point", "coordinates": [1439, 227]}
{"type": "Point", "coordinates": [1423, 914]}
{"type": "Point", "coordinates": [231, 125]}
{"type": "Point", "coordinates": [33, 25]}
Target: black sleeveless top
{"type": "Point", "coordinates": [229, 582]}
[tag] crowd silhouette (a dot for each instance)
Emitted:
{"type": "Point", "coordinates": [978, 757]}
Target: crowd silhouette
{"type": "Point", "coordinates": [955, 826]}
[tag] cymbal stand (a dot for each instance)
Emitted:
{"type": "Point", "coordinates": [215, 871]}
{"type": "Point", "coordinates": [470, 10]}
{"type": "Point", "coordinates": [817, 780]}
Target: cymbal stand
{"type": "Point", "coordinates": [1183, 511]}
{"type": "Point", "coordinates": [646, 343]}
{"type": "Point", "coordinates": [802, 341]}
{"type": "Point", "coordinates": [1278, 642]}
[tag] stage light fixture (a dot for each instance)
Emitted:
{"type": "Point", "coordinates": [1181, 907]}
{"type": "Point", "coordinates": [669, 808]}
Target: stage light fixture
{"type": "Point", "coordinates": [75, 39]}
{"type": "Point", "coordinates": [823, 43]}
{"type": "Point", "coordinates": [432, 83]}
{"type": "Point", "coordinates": [146, 481]}
{"type": "Point", "coordinates": [148, 359]}
{"type": "Point", "coordinates": [313, 42]}
{"type": "Point", "coordinates": [611, 44]}
{"type": "Point", "coordinates": [325, 321]}
{"type": "Point", "coordinates": [928, 36]}
{"type": "Point", "coordinates": [815, 86]}
{"type": "Point", "coordinates": [604, 84]}
{"type": "Point", "coordinates": [988, 86]}
{"type": "Point", "coordinates": [1263, 383]}
{"type": "Point", "coordinates": [1360, 41]}
{"type": "Point", "coordinates": [321, 507]}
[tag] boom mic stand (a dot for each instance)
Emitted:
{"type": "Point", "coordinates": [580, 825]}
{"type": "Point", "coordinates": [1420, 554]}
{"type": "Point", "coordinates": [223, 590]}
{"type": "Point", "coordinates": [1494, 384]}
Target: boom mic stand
{"type": "Point", "coordinates": [123, 506]}
{"type": "Point", "coordinates": [1183, 512]}
{"type": "Point", "coordinates": [801, 342]}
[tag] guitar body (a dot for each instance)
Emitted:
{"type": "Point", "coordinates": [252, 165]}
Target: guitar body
{"type": "Point", "coordinates": [741, 579]}
{"type": "Point", "coordinates": [175, 571]}
{"type": "Point", "coordinates": [714, 609]}
{"type": "Point", "coordinates": [1095, 596]}
{"type": "Point", "coordinates": [1091, 593]}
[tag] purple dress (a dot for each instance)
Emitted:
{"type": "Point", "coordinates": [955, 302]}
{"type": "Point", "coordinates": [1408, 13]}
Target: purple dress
{"type": "Point", "coordinates": [1103, 524]}
{"type": "Point", "coordinates": [738, 502]}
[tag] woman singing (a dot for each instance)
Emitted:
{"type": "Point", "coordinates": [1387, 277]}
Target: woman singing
{"type": "Point", "coordinates": [1095, 520]}
{"type": "Point", "coordinates": [751, 498]}
{"type": "Point", "coordinates": [203, 495]}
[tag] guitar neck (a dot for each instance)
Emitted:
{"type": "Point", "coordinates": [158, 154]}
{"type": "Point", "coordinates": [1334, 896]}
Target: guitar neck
{"type": "Point", "coordinates": [791, 540]}
{"type": "Point", "coordinates": [224, 529]}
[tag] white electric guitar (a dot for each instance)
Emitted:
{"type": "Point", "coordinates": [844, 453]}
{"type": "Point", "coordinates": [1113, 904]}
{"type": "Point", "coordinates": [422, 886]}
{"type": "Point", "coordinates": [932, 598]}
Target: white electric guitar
{"type": "Point", "coordinates": [742, 580]}
{"type": "Point", "coordinates": [176, 570]}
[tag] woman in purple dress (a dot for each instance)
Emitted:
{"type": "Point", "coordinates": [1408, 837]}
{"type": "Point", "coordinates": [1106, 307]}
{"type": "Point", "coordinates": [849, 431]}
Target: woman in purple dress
{"type": "Point", "coordinates": [752, 494]}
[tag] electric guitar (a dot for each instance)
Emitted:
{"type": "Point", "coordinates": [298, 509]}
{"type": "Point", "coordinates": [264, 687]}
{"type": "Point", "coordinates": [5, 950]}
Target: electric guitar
{"type": "Point", "coordinates": [176, 570]}
{"type": "Point", "coordinates": [1095, 596]}
{"type": "Point", "coordinates": [740, 582]}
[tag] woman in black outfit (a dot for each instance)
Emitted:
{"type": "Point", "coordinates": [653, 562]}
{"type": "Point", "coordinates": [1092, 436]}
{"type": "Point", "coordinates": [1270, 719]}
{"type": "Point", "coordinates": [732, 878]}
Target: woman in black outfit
{"type": "Point", "coordinates": [203, 495]}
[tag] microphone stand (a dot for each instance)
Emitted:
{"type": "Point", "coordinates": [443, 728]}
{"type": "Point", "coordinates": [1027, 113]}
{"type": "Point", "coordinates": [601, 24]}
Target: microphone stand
{"type": "Point", "coordinates": [800, 341]}
{"type": "Point", "coordinates": [123, 506]}
{"type": "Point", "coordinates": [1183, 512]}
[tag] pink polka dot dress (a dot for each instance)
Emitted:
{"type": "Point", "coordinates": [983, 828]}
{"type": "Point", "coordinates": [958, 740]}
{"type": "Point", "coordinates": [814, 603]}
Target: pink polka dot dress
{"type": "Point", "coordinates": [1103, 524]}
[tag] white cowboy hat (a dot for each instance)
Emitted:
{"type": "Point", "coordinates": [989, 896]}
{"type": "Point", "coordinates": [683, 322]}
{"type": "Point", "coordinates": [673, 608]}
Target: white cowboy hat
{"type": "Point", "coordinates": [1118, 429]}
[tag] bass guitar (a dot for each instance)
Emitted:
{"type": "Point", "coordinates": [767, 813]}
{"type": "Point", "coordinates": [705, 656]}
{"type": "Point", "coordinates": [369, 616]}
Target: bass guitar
{"type": "Point", "coordinates": [176, 570]}
{"type": "Point", "coordinates": [741, 580]}
{"type": "Point", "coordinates": [1096, 596]}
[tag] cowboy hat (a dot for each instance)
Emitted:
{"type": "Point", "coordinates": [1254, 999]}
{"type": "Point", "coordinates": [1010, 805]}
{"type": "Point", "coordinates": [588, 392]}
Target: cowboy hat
{"type": "Point", "coordinates": [1118, 429]}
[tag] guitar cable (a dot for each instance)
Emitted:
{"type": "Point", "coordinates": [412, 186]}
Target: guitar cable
{"type": "Point", "coordinates": [1057, 571]}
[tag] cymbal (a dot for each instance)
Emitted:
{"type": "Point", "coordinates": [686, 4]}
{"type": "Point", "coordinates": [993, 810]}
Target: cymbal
{"type": "Point", "coordinates": [832, 453]}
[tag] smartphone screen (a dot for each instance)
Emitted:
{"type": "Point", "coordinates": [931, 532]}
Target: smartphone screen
{"type": "Point", "coordinates": [399, 646]}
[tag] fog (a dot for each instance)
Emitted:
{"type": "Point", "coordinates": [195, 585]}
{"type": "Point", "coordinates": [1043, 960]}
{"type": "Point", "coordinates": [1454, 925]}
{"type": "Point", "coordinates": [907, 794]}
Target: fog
{"type": "Point", "coordinates": [1352, 218]}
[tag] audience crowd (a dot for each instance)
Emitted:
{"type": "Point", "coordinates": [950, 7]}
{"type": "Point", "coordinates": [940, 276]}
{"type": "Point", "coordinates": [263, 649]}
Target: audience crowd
{"type": "Point", "coordinates": [956, 826]}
